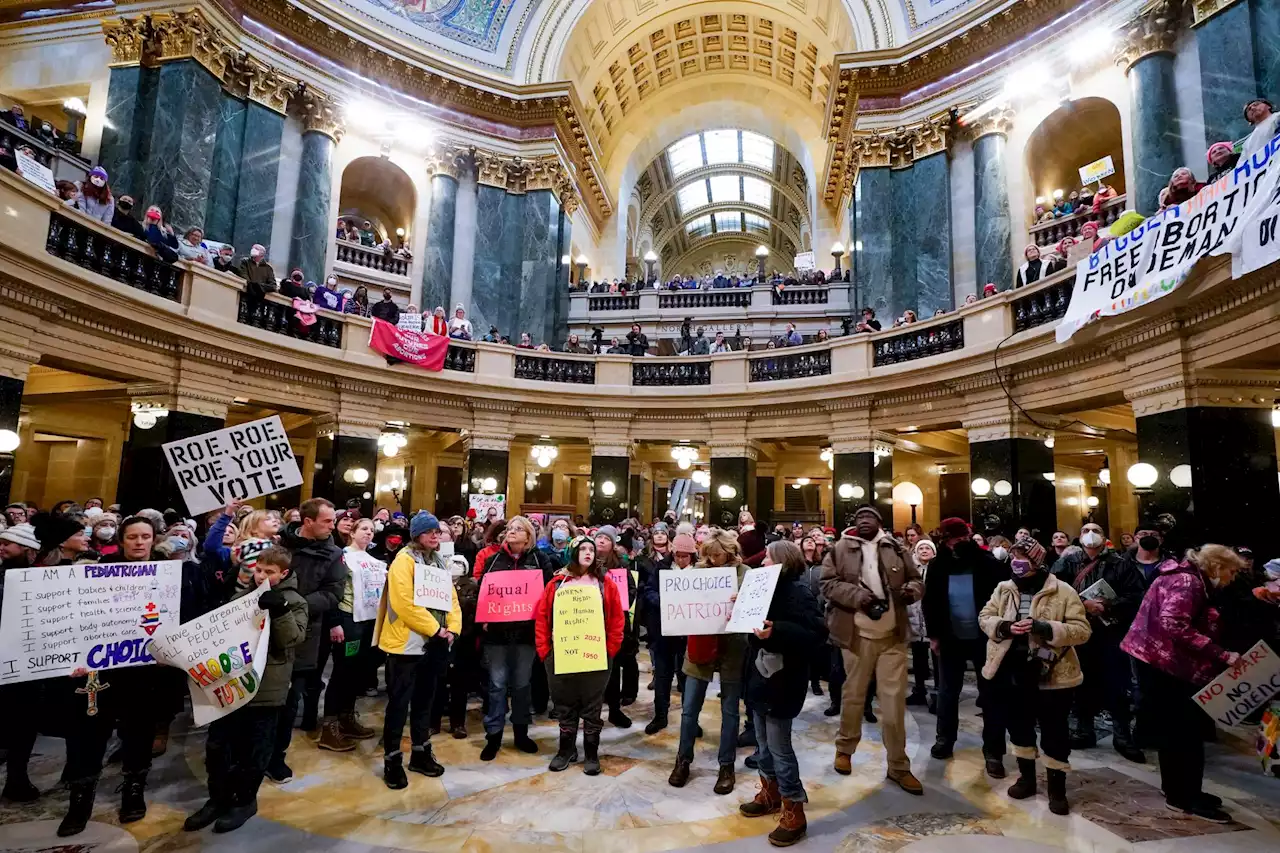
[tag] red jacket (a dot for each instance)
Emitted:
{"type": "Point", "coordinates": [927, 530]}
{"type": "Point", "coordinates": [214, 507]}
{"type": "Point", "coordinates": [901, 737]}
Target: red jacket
{"type": "Point", "coordinates": [481, 558]}
{"type": "Point", "coordinates": [614, 617]}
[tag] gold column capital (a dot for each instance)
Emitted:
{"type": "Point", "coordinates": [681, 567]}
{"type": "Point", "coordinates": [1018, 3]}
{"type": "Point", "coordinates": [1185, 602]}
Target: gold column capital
{"type": "Point", "coordinates": [999, 120]}
{"type": "Point", "coordinates": [320, 113]}
{"type": "Point", "coordinates": [1154, 30]}
{"type": "Point", "coordinates": [451, 159]}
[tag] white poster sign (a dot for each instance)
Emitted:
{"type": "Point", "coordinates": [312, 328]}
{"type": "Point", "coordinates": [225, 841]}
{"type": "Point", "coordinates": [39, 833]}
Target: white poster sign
{"type": "Point", "coordinates": [754, 599]}
{"type": "Point", "coordinates": [432, 587]}
{"type": "Point", "coordinates": [223, 652]}
{"type": "Point", "coordinates": [1097, 170]}
{"type": "Point", "coordinates": [368, 580]}
{"type": "Point", "coordinates": [1243, 689]}
{"type": "Point", "coordinates": [804, 261]}
{"type": "Point", "coordinates": [58, 619]}
{"type": "Point", "coordinates": [696, 601]}
{"type": "Point", "coordinates": [35, 171]}
{"type": "Point", "coordinates": [488, 507]}
{"type": "Point", "coordinates": [237, 463]}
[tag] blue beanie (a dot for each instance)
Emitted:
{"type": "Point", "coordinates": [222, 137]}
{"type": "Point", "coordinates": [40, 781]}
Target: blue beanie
{"type": "Point", "coordinates": [423, 522]}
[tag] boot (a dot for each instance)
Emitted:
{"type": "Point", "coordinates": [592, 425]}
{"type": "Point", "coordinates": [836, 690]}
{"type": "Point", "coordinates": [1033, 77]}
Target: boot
{"type": "Point", "coordinates": [492, 743]}
{"type": "Point", "coordinates": [867, 714]}
{"type": "Point", "coordinates": [459, 731]}
{"type": "Point", "coordinates": [350, 725]}
{"type": "Point", "coordinates": [1057, 784]}
{"type": "Point", "coordinates": [80, 809]}
{"type": "Point", "coordinates": [1025, 787]}
{"type": "Point", "coordinates": [160, 744]}
{"type": "Point", "coordinates": [1124, 745]}
{"type": "Point", "coordinates": [132, 804]}
{"type": "Point", "coordinates": [619, 720]}
{"type": "Point", "coordinates": [918, 697]}
{"type": "Point", "coordinates": [207, 814]}
{"type": "Point", "coordinates": [791, 827]}
{"type": "Point", "coordinates": [748, 738]}
{"type": "Point", "coordinates": [724, 780]}
{"type": "Point", "coordinates": [236, 816]}
{"type": "Point", "coordinates": [393, 772]}
{"type": "Point", "coordinates": [424, 761]}
{"type": "Point", "coordinates": [18, 787]}
{"type": "Point", "coordinates": [568, 752]}
{"type": "Point", "coordinates": [332, 738]}
{"type": "Point", "coordinates": [680, 774]}
{"type": "Point", "coordinates": [816, 686]}
{"type": "Point", "coordinates": [591, 752]}
{"type": "Point", "coordinates": [767, 800]}
{"type": "Point", "coordinates": [524, 743]}
{"type": "Point", "coordinates": [657, 724]}
{"type": "Point", "coordinates": [832, 710]}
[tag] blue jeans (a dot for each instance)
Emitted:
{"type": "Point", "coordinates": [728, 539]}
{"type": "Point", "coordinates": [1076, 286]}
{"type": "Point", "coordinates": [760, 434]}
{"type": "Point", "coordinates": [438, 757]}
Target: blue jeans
{"type": "Point", "coordinates": [510, 669]}
{"type": "Point", "coordinates": [695, 691]}
{"type": "Point", "coordinates": [777, 760]}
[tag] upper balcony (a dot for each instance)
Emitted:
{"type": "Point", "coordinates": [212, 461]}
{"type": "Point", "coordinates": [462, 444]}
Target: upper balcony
{"type": "Point", "coordinates": [357, 265]}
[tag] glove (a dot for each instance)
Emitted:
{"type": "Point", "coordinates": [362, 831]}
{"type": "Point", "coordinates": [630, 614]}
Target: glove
{"type": "Point", "coordinates": [273, 601]}
{"type": "Point", "coordinates": [1042, 630]}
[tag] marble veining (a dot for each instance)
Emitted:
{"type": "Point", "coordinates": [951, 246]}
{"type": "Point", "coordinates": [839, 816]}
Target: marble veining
{"type": "Point", "coordinates": [932, 191]}
{"type": "Point", "coordinates": [220, 215]}
{"type": "Point", "coordinates": [905, 227]}
{"type": "Point", "coordinates": [487, 269]}
{"type": "Point", "coordinates": [992, 221]}
{"type": "Point", "coordinates": [437, 261]}
{"type": "Point", "coordinates": [259, 171]}
{"type": "Point", "coordinates": [310, 240]}
{"type": "Point", "coordinates": [128, 120]}
{"type": "Point", "coordinates": [873, 230]}
{"type": "Point", "coordinates": [1157, 142]}
{"type": "Point", "coordinates": [538, 264]}
{"type": "Point", "coordinates": [180, 157]}
{"type": "Point", "coordinates": [1225, 45]}
{"type": "Point", "coordinates": [510, 320]}
{"type": "Point", "coordinates": [1265, 27]}
{"type": "Point", "coordinates": [560, 286]}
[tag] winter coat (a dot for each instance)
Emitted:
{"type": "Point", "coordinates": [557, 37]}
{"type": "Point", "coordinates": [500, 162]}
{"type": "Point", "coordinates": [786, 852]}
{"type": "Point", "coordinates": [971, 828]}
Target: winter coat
{"type": "Point", "coordinates": [468, 594]}
{"type": "Point", "coordinates": [731, 649]}
{"type": "Point", "coordinates": [1123, 576]}
{"type": "Point", "coordinates": [846, 595]}
{"type": "Point", "coordinates": [104, 212]}
{"type": "Point", "coordinates": [512, 633]}
{"type": "Point", "coordinates": [987, 573]}
{"type": "Point", "coordinates": [288, 634]}
{"type": "Point", "coordinates": [164, 243]}
{"type": "Point", "coordinates": [260, 278]}
{"type": "Point", "coordinates": [403, 628]}
{"type": "Point", "coordinates": [322, 576]}
{"type": "Point", "coordinates": [615, 617]}
{"type": "Point", "coordinates": [122, 221]}
{"type": "Point", "coordinates": [1057, 604]}
{"type": "Point", "coordinates": [650, 606]}
{"type": "Point", "coordinates": [387, 310]}
{"type": "Point", "coordinates": [919, 631]}
{"type": "Point", "coordinates": [1175, 630]}
{"type": "Point", "coordinates": [798, 630]}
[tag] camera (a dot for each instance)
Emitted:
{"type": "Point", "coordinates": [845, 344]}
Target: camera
{"type": "Point", "coordinates": [876, 609]}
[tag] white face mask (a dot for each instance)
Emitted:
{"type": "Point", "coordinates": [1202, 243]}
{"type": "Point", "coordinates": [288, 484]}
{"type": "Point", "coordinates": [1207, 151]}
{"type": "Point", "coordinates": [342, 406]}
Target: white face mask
{"type": "Point", "coordinates": [331, 281]}
{"type": "Point", "coordinates": [106, 534]}
{"type": "Point", "coordinates": [999, 553]}
{"type": "Point", "coordinates": [88, 531]}
{"type": "Point", "coordinates": [1091, 539]}
{"type": "Point", "coordinates": [97, 182]}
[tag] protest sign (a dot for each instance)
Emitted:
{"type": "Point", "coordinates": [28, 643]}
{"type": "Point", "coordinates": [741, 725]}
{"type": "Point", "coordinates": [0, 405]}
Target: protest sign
{"type": "Point", "coordinates": [368, 580]}
{"type": "Point", "coordinates": [237, 463]}
{"type": "Point", "coordinates": [509, 596]}
{"type": "Point", "coordinates": [754, 599]}
{"type": "Point", "coordinates": [1242, 689]}
{"type": "Point", "coordinates": [35, 171]}
{"type": "Point", "coordinates": [1097, 170]}
{"type": "Point", "coordinates": [484, 504]}
{"type": "Point", "coordinates": [804, 261]}
{"type": "Point", "coordinates": [223, 652]}
{"type": "Point", "coordinates": [578, 629]}
{"type": "Point", "coordinates": [421, 349]}
{"type": "Point", "coordinates": [696, 601]}
{"type": "Point", "coordinates": [432, 587]}
{"type": "Point", "coordinates": [618, 577]}
{"type": "Point", "coordinates": [57, 619]}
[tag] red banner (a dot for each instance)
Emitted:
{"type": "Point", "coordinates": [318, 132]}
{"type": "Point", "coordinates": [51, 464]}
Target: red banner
{"type": "Point", "coordinates": [425, 351]}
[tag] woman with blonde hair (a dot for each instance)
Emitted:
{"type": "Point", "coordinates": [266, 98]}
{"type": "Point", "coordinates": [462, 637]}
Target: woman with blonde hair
{"type": "Point", "coordinates": [704, 657]}
{"type": "Point", "coordinates": [257, 533]}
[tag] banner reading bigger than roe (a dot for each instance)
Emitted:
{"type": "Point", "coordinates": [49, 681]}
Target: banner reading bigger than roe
{"type": "Point", "coordinates": [237, 463]}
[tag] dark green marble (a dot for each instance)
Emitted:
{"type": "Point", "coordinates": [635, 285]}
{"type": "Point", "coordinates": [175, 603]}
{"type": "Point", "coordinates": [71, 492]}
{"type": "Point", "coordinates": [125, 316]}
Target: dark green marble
{"type": "Point", "coordinates": [311, 223]}
{"type": "Point", "coordinates": [220, 215]}
{"type": "Point", "coordinates": [259, 170]}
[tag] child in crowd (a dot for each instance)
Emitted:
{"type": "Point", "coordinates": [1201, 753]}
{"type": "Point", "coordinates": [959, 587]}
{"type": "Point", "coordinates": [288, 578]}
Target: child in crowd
{"type": "Point", "coordinates": [579, 695]}
{"type": "Point", "coordinates": [239, 745]}
{"type": "Point", "coordinates": [257, 534]}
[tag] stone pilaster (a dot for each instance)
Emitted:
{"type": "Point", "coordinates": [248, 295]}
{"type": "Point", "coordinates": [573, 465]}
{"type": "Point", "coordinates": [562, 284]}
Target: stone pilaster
{"type": "Point", "coordinates": [1145, 51]}
{"type": "Point", "coordinates": [993, 223]}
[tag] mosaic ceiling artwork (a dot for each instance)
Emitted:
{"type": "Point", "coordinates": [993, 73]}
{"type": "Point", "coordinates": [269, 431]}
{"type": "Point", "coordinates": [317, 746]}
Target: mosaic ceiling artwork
{"type": "Point", "coordinates": [477, 23]}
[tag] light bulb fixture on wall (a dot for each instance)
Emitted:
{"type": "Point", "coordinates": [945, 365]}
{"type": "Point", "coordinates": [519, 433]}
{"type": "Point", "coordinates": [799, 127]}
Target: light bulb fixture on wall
{"type": "Point", "coordinates": [1049, 442]}
{"type": "Point", "coordinates": [1104, 476]}
{"type": "Point", "coordinates": [859, 493]}
{"type": "Point", "coordinates": [702, 478]}
{"type": "Point", "coordinates": [488, 484]}
{"type": "Point", "coordinates": [726, 492]}
{"type": "Point", "coordinates": [1180, 476]}
{"type": "Point", "coordinates": [981, 487]}
{"type": "Point", "coordinates": [1003, 488]}
{"type": "Point", "coordinates": [1142, 475]}
{"type": "Point", "coordinates": [9, 440]}
{"type": "Point", "coordinates": [392, 443]}
{"type": "Point", "coordinates": [1091, 501]}
{"type": "Point", "coordinates": [828, 456]}
{"type": "Point", "coordinates": [845, 491]}
{"type": "Point", "coordinates": [147, 415]}
{"type": "Point", "coordinates": [608, 489]}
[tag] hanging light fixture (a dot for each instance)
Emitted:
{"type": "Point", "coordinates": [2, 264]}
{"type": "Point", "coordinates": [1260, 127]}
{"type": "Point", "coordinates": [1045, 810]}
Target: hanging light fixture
{"type": "Point", "coordinates": [392, 443]}
{"type": "Point", "coordinates": [147, 415]}
{"type": "Point", "coordinates": [684, 455]}
{"type": "Point", "coordinates": [828, 456]}
{"type": "Point", "coordinates": [544, 454]}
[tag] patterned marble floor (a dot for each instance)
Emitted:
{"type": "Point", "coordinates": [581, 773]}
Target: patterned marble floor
{"type": "Point", "coordinates": [337, 802]}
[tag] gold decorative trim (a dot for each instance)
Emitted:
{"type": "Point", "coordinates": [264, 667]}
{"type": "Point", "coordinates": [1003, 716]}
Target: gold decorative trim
{"type": "Point", "coordinates": [1203, 10]}
{"type": "Point", "coordinates": [451, 160]}
{"type": "Point", "coordinates": [319, 113]}
{"type": "Point", "coordinates": [1154, 30]}
{"type": "Point", "coordinates": [999, 121]}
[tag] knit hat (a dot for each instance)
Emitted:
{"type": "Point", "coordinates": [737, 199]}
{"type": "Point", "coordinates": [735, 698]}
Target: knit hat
{"type": "Point", "coordinates": [925, 543]}
{"type": "Point", "coordinates": [862, 510]}
{"type": "Point", "coordinates": [423, 522]}
{"type": "Point", "coordinates": [471, 514]}
{"type": "Point", "coordinates": [52, 530]}
{"type": "Point", "coordinates": [989, 289]}
{"type": "Point", "coordinates": [954, 528]}
{"type": "Point", "coordinates": [99, 172]}
{"type": "Point", "coordinates": [1091, 226]}
{"type": "Point", "coordinates": [609, 532]}
{"type": "Point", "coordinates": [1029, 247]}
{"type": "Point", "coordinates": [684, 544]}
{"type": "Point", "coordinates": [22, 534]}
{"type": "Point", "coordinates": [1033, 549]}
{"type": "Point", "coordinates": [659, 527]}
{"type": "Point", "coordinates": [1226, 147]}
{"type": "Point", "coordinates": [93, 512]}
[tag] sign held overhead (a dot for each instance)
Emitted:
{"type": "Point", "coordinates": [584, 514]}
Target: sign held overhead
{"type": "Point", "coordinates": [237, 463]}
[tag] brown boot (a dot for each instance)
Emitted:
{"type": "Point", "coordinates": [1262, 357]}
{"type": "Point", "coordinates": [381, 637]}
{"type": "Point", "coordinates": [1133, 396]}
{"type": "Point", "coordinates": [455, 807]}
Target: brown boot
{"type": "Point", "coordinates": [350, 726]}
{"type": "Point", "coordinates": [680, 775]}
{"type": "Point", "coordinates": [767, 800]}
{"type": "Point", "coordinates": [906, 782]}
{"type": "Point", "coordinates": [160, 744]}
{"type": "Point", "coordinates": [844, 763]}
{"type": "Point", "coordinates": [791, 827]}
{"type": "Point", "coordinates": [725, 780]}
{"type": "Point", "coordinates": [332, 738]}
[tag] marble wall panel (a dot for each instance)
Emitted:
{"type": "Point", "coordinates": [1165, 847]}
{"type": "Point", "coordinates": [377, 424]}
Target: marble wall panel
{"type": "Point", "coordinates": [437, 260]}
{"type": "Point", "coordinates": [1225, 45]}
{"type": "Point", "coordinates": [905, 227]}
{"type": "Point", "coordinates": [992, 223]}
{"type": "Point", "coordinates": [872, 215]}
{"type": "Point", "coordinates": [1157, 140]}
{"type": "Point", "coordinates": [130, 103]}
{"type": "Point", "coordinates": [1265, 29]}
{"type": "Point", "coordinates": [931, 188]}
{"type": "Point", "coordinates": [179, 158]}
{"type": "Point", "coordinates": [309, 242]}
{"type": "Point", "coordinates": [259, 173]}
{"type": "Point", "coordinates": [224, 185]}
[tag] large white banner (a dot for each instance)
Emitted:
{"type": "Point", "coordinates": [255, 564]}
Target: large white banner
{"type": "Point", "coordinates": [237, 463]}
{"type": "Point", "coordinates": [223, 652]}
{"type": "Point", "coordinates": [696, 601]}
{"type": "Point", "coordinates": [58, 619]}
{"type": "Point", "coordinates": [1152, 260]}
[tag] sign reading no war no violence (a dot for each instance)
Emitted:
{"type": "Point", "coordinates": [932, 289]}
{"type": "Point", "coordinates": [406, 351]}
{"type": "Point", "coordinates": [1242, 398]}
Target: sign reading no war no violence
{"type": "Point", "coordinates": [237, 463]}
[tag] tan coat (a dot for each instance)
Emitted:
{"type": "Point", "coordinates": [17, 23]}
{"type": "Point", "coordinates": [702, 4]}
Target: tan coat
{"type": "Point", "coordinates": [1056, 603]}
{"type": "Point", "coordinates": [846, 595]}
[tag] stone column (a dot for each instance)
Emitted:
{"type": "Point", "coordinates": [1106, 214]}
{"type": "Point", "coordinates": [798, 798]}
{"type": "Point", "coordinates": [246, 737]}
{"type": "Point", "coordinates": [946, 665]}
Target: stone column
{"type": "Point", "coordinates": [539, 294]}
{"type": "Point", "coordinates": [444, 165]}
{"type": "Point", "coordinates": [322, 128]}
{"type": "Point", "coordinates": [488, 458]}
{"type": "Point", "coordinates": [228, 148]}
{"type": "Point", "coordinates": [145, 479]}
{"type": "Point", "coordinates": [863, 476]}
{"type": "Point", "coordinates": [1145, 51]}
{"type": "Point", "coordinates": [1265, 29]}
{"type": "Point", "coordinates": [1225, 41]}
{"type": "Point", "coordinates": [733, 483]}
{"type": "Point", "coordinates": [993, 224]}
{"type": "Point", "coordinates": [130, 108]}
{"type": "Point", "coordinates": [259, 171]}
{"type": "Point", "coordinates": [177, 153]}
{"type": "Point", "coordinates": [872, 214]}
{"type": "Point", "coordinates": [495, 280]}
{"type": "Point", "coordinates": [346, 465]}
{"type": "Point", "coordinates": [1008, 461]}
{"type": "Point", "coordinates": [932, 191]}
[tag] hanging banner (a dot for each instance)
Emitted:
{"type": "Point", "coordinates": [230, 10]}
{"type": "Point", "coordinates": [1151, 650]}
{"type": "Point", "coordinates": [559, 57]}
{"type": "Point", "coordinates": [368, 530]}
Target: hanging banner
{"type": "Point", "coordinates": [754, 598]}
{"type": "Point", "coordinates": [618, 577]}
{"type": "Point", "coordinates": [509, 596]}
{"type": "Point", "coordinates": [696, 601]}
{"type": "Point", "coordinates": [223, 652]}
{"type": "Point", "coordinates": [420, 350]}
{"type": "Point", "coordinates": [95, 616]}
{"type": "Point", "coordinates": [237, 463]}
{"type": "Point", "coordinates": [1155, 258]}
{"type": "Point", "coordinates": [578, 629]}
{"type": "Point", "coordinates": [368, 580]}
{"type": "Point", "coordinates": [432, 587]}
{"type": "Point", "coordinates": [1243, 689]}
{"type": "Point", "coordinates": [488, 507]}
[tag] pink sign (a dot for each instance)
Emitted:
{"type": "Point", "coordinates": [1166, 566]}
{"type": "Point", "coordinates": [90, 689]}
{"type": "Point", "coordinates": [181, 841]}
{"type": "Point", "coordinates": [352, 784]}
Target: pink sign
{"type": "Point", "coordinates": [619, 579]}
{"type": "Point", "coordinates": [509, 596]}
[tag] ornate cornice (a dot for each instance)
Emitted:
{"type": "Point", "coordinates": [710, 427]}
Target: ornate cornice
{"type": "Point", "coordinates": [999, 120]}
{"type": "Point", "coordinates": [519, 175]}
{"type": "Point", "coordinates": [451, 160]}
{"type": "Point", "coordinates": [898, 148]}
{"type": "Point", "coordinates": [1154, 30]}
{"type": "Point", "coordinates": [1203, 10]}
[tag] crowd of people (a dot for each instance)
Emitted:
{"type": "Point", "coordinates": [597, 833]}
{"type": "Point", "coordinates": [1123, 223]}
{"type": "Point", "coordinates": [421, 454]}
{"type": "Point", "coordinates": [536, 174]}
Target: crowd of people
{"type": "Point", "coordinates": [366, 235]}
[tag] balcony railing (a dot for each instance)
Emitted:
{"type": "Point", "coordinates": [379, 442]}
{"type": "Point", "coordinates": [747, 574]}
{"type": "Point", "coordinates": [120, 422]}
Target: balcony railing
{"type": "Point", "coordinates": [123, 259]}
{"type": "Point", "coordinates": [1051, 233]}
{"type": "Point", "coordinates": [1045, 305]}
{"type": "Point", "coordinates": [649, 372]}
{"type": "Point", "coordinates": [615, 302]}
{"type": "Point", "coordinates": [371, 257]}
{"type": "Point", "coordinates": [736, 298]}
{"type": "Point", "coordinates": [919, 343]}
{"type": "Point", "coordinates": [276, 314]}
{"type": "Point", "coordinates": [801, 296]}
{"type": "Point", "coordinates": [778, 364]}
{"type": "Point", "coordinates": [544, 369]}
{"type": "Point", "coordinates": [460, 358]}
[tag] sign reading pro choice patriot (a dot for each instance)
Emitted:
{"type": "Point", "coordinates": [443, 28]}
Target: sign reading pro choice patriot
{"type": "Point", "coordinates": [237, 463]}
{"type": "Point", "coordinates": [696, 601]}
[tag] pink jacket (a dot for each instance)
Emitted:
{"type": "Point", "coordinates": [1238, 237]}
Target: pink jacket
{"type": "Point", "coordinates": [1175, 626]}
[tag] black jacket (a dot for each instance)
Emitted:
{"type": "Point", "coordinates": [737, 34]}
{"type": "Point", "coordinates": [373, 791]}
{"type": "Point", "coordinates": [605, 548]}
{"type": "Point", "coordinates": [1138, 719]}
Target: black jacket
{"type": "Point", "coordinates": [987, 573]}
{"type": "Point", "coordinates": [513, 633]}
{"type": "Point", "coordinates": [798, 629]}
{"type": "Point", "coordinates": [386, 309]}
{"type": "Point", "coordinates": [1122, 573]}
{"type": "Point", "coordinates": [650, 605]}
{"type": "Point", "coordinates": [322, 575]}
{"type": "Point", "coordinates": [122, 221]}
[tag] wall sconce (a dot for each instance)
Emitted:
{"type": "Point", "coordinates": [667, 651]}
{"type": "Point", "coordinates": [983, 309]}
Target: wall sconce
{"type": "Point", "coordinates": [981, 488]}
{"type": "Point", "coordinates": [9, 440]}
{"type": "Point", "coordinates": [1003, 488]}
{"type": "Point", "coordinates": [1142, 475]}
{"type": "Point", "coordinates": [726, 492]}
{"type": "Point", "coordinates": [1092, 501]}
{"type": "Point", "coordinates": [608, 489]}
{"type": "Point", "coordinates": [1180, 476]}
{"type": "Point", "coordinates": [845, 491]}
{"type": "Point", "coordinates": [828, 456]}
{"type": "Point", "coordinates": [358, 476]}
{"type": "Point", "coordinates": [489, 484]}
{"type": "Point", "coordinates": [145, 415]}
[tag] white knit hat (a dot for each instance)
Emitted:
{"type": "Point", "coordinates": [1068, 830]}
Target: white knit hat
{"type": "Point", "coordinates": [22, 534]}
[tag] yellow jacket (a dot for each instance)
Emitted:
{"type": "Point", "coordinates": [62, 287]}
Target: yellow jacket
{"type": "Point", "coordinates": [403, 627]}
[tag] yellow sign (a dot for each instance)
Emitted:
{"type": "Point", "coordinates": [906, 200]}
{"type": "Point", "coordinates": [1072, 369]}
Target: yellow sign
{"type": "Point", "coordinates": [578, 629]}
{"type": "Point", "coordinates": [1097, 170]}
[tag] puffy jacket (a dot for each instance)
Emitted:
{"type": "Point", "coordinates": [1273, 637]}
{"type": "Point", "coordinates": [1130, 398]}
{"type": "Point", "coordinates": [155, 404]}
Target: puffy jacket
{"type": "Point", "coordinates": [513, 633]}
{"type": "Point", "coordinates": [1175, 629]}
{"type": "Point", "coordinates": [403, 628]}
{"type": "Point", "coordinates": [1056, 604]}
{"type": "Point", "coordinates": [288, 633]}
{"type": "Point", "coordinates": [846, 595]}
{"type": "Point", "coordinates": [322, 577]}
{"type": "Point", "coordinates": [798, 630]}
{"type": "Point", "coordinates": [614, 617]}
{"type": "Point", "coordinates": [987, 573]}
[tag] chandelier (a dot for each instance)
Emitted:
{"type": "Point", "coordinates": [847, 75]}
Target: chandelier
{"type": "Point", "coordinates": [828, 456]}
{"type": "Point", "coordinates": [544, 454]}
{"type": "Point", "coordinates": [684, 455]}
{"type": "Point", "coordinates": [392, 443]}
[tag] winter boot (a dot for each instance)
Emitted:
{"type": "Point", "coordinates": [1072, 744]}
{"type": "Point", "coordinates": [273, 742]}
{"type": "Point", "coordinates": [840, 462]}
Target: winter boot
{"type": "Point", "coordinates": [591, 752]}
{"type": "Point", "coordinates": [767, 800]}
{"type": "Point", "coordinates": [332, 738]}
{"type": "Point", "coordinates": [568, 752]}
{"type": "Point", "coordinates": [791, 827]}
{"type": "Point", "coordinates": [207, 814]}
{"type": "Point", "coordinates": [1057, 784]}
{"type": "Point", "coordinates": [657, 724]}
{"type": "Point", "coordinates": [1025, 787]}
{"type": "Point", "coordinates": [350, 725]}
{"type": "Point", "coordinates": [1083, 735]}
{"type": "Point", "coordinates": [524, 743]}
{"type": "Point", "coordinates": [423, 761]}
{"type": "Point", "coordinates": [133, 806]}
{"type": "Point", "coordinates": [236, 816]}
{"type": "Point", "coordinates": [80, 808]}
{"type": "Point", "coordinates": [492, 743]}
{"type": "Point", "coordinates": [393, 772]}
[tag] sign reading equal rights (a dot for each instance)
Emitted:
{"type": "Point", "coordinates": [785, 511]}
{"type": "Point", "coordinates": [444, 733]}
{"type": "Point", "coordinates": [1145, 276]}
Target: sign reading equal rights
{"type": "Point", "coordinates": [509, 596]}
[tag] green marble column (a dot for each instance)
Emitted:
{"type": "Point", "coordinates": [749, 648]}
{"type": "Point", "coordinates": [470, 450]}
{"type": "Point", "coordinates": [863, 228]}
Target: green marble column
{"type": "Point", "coordinates": [1225, 43]}
{"type": "Point", "coordinates": [179, 150]}
{"type": "Point", "coordinates": [259, 171]}
{"type": "Point", "coordinates": [130, 107]}
{"type": "Point", "coordinates": [228, 147]}
{"type": "Point", "coordinates": [145, 479]}
{"type": "Point", "coordinates": [311, 223]}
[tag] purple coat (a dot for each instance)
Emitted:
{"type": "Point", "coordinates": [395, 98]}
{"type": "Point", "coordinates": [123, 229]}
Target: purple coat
{"type": "Point", "coordinates": [1175, 627]}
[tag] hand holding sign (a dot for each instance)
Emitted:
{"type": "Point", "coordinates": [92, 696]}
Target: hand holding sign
{"type": "Point", "coordinates": [234, 464]}
{"type": "Point", "coordinates": [509, 596]}
{"type": "Point", "coordinates": [1251, 682]}
{"type": "Point", "coordinates": [578, 629]}
{"type": "Point", "coordinates": [753, 601]}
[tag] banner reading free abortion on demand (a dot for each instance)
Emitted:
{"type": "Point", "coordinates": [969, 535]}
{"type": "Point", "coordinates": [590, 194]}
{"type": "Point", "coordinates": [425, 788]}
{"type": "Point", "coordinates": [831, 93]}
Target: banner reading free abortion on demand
{"type": "Point", "coordinates": [1237, 214]}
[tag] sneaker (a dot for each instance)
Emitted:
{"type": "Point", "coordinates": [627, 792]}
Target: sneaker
{"type": "Point", "coordinates": [279, 772]}
{"type": "Point", "coordinates": [752, 761]}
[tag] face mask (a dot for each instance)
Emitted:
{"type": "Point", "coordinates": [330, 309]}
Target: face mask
{"type": "Point", "coordinates": [559, 537]}
{"type": "Point", "coordinates": [97, 182]}
{"type": "Point", "coordinates": [456, 572]}
{"type": "Point", "coordinates": [1092, 539]}
{"type": "Point", "coordinates": [1149, 543]}
{"type": "Point", "coordinates": [88, 531]}
{"type": "Point", "coordinates": [177, 543]}
{"type": "Point", "coordinates": [1020, 568]}
{"type": "Point", "coordinates": [999, 553]}
{"type": "Point", "coordinates": [257, 256]}
{"type": "Point", "coordinates": [331, 281]}
{"type": "Point", "coordinates": [124, 206]}
{"type": "Point", "coordinates": [47, 128]}
{"type": "Point", "coordinates": [106, 534]}
{"type": "Point", "coordinates": [393, 542]}
{"type": "Point", "coordinates": [298, 278]}
{"type": "Point", "coordinates": [378, 525]}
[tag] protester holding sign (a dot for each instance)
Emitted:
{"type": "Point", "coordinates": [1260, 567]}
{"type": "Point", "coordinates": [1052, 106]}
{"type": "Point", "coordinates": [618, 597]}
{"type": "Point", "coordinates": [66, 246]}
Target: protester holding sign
{"type": "Point", "coordinates": [580, 694]}
{"type": "Point", "coordinates": [624, 683]}
{"type": "Point", "coordinates": [667, 651]}
{"type": "Point", "coordinates": [1172, 638]}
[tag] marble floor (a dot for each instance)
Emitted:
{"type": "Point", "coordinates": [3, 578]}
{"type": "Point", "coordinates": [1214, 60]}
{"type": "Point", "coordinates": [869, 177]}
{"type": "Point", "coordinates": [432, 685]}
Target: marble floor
{"type": "Point", "coordinates": [337, 802]}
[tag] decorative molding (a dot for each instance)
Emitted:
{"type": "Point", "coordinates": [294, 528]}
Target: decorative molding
{"type": "Point", "coordinates": [999, 120]}
{"type": "Point", "coordinates": [1203, 10]}
{"type": "Point", "coordinates": [486, 442]}
{"type": "Point", "coordinates": [350, 426]}
{"type": "Point", "coordinates": [898, 148]}
{"type": "Point", "coordinates": [1154, 30]}
{"type": "Point", "coordinates": [319, 113]}
{"type": "Point", "coordinates": [619, 450]}
{"type": "Point", "coordinates": [451, 160]}
{"type": "Point", "coordinates": [734, 451]}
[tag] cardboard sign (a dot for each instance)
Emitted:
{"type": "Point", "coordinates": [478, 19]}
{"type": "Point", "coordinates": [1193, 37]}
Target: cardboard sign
{"type": "Point", "coordinates": [754, 599]}
{"type": "Point", "coordinates": [97, 616]}
{"type": "Point", "coordinates": [803, 261]}
{"type": "Point", "coordinates": [35, 171]}
{"type": "Point", "coordinates": [578, 629]}
{"type": "Point", "coordinates": [236, 463]}
{"type": "Point", "coordinates": [224, 654]}
{"type": "Point", "coordinates": [482, 504]}
{"type": "Point", "coordinates": [1243, 689]}
{"type": "Point", "coordinates": [368, 580]}
{"type": "Point", "coordinates": [509, 596]}
{"type": "Point", "coordinates": [432, 587]}
{"type": "Point", "coordinates": [1097, 170]}
{"type": "Point", "coordinates": [696, 601]}
{"type": "Point", "coordinates": [618, 577]}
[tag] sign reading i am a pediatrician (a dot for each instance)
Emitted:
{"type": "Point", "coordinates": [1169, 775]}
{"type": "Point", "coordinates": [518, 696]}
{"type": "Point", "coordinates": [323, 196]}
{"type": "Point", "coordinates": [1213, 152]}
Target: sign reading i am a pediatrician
{"type": "Point", "coordinates": [237, 463]}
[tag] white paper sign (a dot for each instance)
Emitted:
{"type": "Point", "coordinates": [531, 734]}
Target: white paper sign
{"type": "Point", "coordinates": [696, 601]}
{"type": "Point", "coordinates": [368, 580]}
{"type": "Point", "coordinates": [482, 504]}
{"type": "Point", "coordinates": [804, 261]}
{"type": "Point", "coordinates": [97, 616]}
{"type": "Point", "coordinates": [237, 463]}
{"type": "Point", "coordinates": [1097, 170]}
{"type": "Point", "coordinates": [754, 599]}
{"type": "Point", "coordinates": [1244, 688]}
{"type": "Point", "coordinates": [35, 171]}
{"type": "Point", "coordinates": [432, 587]}
{"type": "Point", "coordinates": [224, 654]}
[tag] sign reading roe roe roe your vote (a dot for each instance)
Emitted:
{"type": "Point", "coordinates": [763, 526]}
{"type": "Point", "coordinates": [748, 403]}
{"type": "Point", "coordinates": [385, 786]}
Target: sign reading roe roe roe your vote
{"type": "Point", "coordinates": [696, 601]}
{"type": "Point", "coordinates": [237, 463]}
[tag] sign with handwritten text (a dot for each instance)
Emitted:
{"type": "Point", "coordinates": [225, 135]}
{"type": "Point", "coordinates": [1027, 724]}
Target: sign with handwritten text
{"type": "Point", "coordinates": [754, 598]}
{"type": "Point", "coordinates": [432, 587]}
{"type": "Point", "coordinates": [58, 619]}
{"type": "Point", "coordinates": [618, 577]}
{"type": "Point", "coordinates": [509, 596]}
{"type": "Point", "coordinates": [368, 580]}
{"type": "Point", "coordinates": [696, 601]}
{"type": "Point", "coordinates": [1242, 689]}
{"type": "Point", "coordinates": [240, 463]}
{"type": "Point", "coordinates": [578, 629]}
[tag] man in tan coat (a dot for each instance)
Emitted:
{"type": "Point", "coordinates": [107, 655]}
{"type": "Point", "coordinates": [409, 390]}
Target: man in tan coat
{"type": "Point", "coordinates": [868, 578]}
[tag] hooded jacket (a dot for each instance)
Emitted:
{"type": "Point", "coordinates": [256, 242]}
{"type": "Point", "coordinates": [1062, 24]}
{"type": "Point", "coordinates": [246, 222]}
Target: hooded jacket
{"type": "Point", "coordinates": [321, 574]}
{"type": "Point", "coordinates": [1056, 604]}
{"type": "Point", "coordinates": [846, 594]}
{"type": "Point", "coordinates": [288, 633]}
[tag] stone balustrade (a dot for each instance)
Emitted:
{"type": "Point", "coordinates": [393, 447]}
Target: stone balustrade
{"type": "Point", "coordinates": [1051, 233]}
{"type": "Point", "coordinates": [371, 258]}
